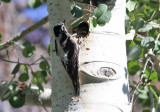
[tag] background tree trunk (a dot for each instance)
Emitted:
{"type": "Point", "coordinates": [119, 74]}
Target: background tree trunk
{"type": "Point", "coordinates": [104, 48]}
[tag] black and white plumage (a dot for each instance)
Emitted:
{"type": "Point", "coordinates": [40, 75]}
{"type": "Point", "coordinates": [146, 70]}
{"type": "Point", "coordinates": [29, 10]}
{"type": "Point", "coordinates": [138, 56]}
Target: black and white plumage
{"type": "Point", "coordinates": [68, 51]}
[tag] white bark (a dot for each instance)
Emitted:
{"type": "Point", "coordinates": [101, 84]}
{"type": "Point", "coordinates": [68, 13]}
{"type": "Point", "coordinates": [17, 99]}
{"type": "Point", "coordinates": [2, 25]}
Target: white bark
{"type": "Point", "coordinates": [106, 49]}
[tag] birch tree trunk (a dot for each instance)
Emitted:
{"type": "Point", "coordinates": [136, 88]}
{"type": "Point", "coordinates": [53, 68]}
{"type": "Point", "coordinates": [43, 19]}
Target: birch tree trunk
{"type": "Point", "coordinates": [104, 49]}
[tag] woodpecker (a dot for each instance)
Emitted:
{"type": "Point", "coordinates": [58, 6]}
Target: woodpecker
{"type": "Point", "coordinates": [68, 51]}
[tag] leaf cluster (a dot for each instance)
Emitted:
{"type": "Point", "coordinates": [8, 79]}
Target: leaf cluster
{"type": "Point", "coordinates": [99, 16]}
{"type": "Point", "coordinates": [143, 50]}
{"type": "Point", "coordinates": [14, 92]}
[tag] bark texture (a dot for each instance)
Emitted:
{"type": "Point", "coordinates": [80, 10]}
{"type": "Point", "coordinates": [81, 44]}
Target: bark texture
{"type": "Point", "coordinates": [101, 52]}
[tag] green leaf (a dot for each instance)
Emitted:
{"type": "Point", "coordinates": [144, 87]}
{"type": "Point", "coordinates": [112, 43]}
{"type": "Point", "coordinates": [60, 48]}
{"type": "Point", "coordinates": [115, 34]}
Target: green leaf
{"type": "Point", "coordinates": [146, 110]}
{"type": "Point", "coordinates": [145, 28]}
{"type": "Point", "coordinates": [131, 5]}
{"type": "Point", "coordinates": [133, 67]}
{"type": "Point", "coordinates": [148, 43]}
{"type": "Point", "coordinates": [92, 23]}
{"type": "Point", "coordinates": [130, 43]}
{"type": "Point", "coordinates": [23, 77]}
{"type": "Point", "coordinates": [25, 44]}
{"type": "Point", "coordinates": [44, 76]}
{"type": "Point", "coordinates": [154, 76]}
{"type": "Point", "coordinates": [76, 11]}
{"type": "Point", "coordinates": [44, 65]}
{"type": "Point", "coordinates": [16, 69]}
{"type": "Point", "coordinates": [34, 80]}
{"type": "Point", "coordinates": [133, 52]}
{"type": "Point", "coordinates": [7, 95]}
{"type": "Point", "coordinates": [147, 71]}
{"type": "Point", "coordinates": [100, 10]}
{"type": "Point", "coordinates": [39, 77]}
{"type": "Point", "coordinates": [104, 18]}
{"type": "Point", "coordinates": [36, 77]}
{"type": "Point", "coordinates": [7, 1]}
{"type": "Point", "coordinates": [138, 41]}
{"type": "Point", "coordinates": [155, 93]}
{"type": "Point", "coordinates": [25, 68]}
{"type": "Point", "coordinates": [8, 54]}
{"type": "Point", "coordinates": [17, 101]}
{"type": "Point", "coordinates": [76, 22]}
{"type": "Point", "coordinates": [144, 51]}
{"type": "Point", "coordinates": [11, 91]}
{"type": "Point", "coordinates": [48, 49]}
{"type": "Point", "coordinates": [0, 37]}
{"type": "Point", "coordinates": [137, 23]}
{"type": "Point", "coordinates": [34, 3]}
{"type": "Point", "coordinates": [153, 5]}
{"type": "Point", "coordinates": [127, 27]}
{"type": "Point", "coordinates": [153, 32]}
{"type": "Point", "coordinates": [156, 49]}
{"type": "Point", "coordinates": [48, 70]}
{"type": "Point", "coordinates": [40, 87]}
{"type": "Point", "coordinates": [29, 51]}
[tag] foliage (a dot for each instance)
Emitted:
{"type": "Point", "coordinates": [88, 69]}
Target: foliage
{"type": "Point", "coordinates": [99, 16]}
{"type": "Point", "coordinates": [15, 92]}
{"type": "Point", "coordinates": [143, 50]}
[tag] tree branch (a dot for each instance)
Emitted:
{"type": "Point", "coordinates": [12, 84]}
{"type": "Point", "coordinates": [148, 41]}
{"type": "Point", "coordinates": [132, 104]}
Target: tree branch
{"type": "Point", "coordinates": [33, 97]}
{"type": "Point", "coordinates": [24, 33]}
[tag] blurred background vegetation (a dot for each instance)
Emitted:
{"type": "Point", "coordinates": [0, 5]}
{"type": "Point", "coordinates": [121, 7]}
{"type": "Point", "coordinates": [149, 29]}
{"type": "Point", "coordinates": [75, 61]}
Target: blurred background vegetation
{"type": "Point", "coordinates": [15, 16]}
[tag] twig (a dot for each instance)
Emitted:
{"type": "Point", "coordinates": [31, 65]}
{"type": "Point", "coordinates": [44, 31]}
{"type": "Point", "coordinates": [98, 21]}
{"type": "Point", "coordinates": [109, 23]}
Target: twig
{"type": "Point", "coordinates": [133, 95]}
{"type": "Point", "coordinates": [24, 33]}
{"type": "Point", "coordinates": [88, 10]}
{"type": "Point", "coordinates": [36, 61]}
{"type": "Point", "coordinates": [20, 62]}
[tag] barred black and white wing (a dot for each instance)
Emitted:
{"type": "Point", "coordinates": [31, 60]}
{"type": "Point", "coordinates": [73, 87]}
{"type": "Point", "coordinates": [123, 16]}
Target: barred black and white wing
{"type": "Point", "coordinates": [68, 52]}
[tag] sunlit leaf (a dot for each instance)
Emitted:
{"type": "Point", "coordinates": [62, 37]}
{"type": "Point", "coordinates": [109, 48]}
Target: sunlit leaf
{"type": "Point", "coordinates": [48, 49]}
{"type": "Point", "coordinates": [145, 28]}
{"type": "Point", "coordinates": [154, 76]}
{"type": "Point", "coordinates": [92, 23]}
{"type": "Point", "coordinates": [131, 5]}
{"type": "Point", "coordinates": [25, 68]}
